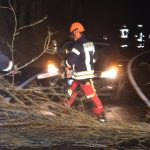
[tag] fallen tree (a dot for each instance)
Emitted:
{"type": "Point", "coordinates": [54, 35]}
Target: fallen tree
{"type": "Point", "coordinates": [32, 119]}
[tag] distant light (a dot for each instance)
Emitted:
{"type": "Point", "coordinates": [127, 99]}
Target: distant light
{"type": "Point", "coordinates": [124, 26]}
{"type": "Point", "coordinates": [124, 46]}
{"type": "Point", "coordinates": [140, 46]}
{"type": "Point", "coordinates": [124, 33]}
{"type": "Point", "coordinates": [105, 37]}
{"type": "Point", "coordinates": [140, 25]}
{"type": "Point", "coordinates": [140, 37]}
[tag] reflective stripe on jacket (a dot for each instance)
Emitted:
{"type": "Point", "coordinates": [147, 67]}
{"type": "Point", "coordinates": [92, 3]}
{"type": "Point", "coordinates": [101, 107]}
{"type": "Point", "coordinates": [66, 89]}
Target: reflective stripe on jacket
{"type": "Point", "coordinates": [81, 59]}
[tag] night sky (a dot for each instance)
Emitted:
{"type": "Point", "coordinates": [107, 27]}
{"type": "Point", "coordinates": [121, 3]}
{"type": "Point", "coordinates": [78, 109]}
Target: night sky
{"type": "Point", "coordinates": [100, 15]}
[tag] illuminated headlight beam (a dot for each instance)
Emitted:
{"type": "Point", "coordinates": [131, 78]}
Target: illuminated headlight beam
{"type": "Point", "coordinates": [52, 69]}
{"type": "Point", "coordinates": [111, 73]}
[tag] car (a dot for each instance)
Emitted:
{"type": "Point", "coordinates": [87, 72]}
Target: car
{"type": "Point", "coordinates": [109, 69]}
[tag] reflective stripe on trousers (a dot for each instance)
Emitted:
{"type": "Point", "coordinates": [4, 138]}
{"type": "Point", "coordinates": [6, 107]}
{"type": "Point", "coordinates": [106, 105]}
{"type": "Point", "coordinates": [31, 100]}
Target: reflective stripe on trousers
{"type": "Point", "coordinates": [89, 92]}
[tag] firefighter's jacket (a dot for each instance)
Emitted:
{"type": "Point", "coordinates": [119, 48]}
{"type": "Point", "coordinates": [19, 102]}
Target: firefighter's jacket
{"type": "Point", "coordinates": [82, 58]}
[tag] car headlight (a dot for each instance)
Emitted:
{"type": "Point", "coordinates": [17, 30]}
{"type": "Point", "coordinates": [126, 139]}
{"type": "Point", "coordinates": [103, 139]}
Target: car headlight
{"type": "Point", "coordinates": [52, 69]}
{"type": "Point", "coordinates": [111, 73]}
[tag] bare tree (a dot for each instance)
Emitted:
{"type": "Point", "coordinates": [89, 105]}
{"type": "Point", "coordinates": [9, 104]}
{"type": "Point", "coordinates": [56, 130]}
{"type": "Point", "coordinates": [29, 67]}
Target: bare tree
{"type": "Point", "coordinates": [16, 31]}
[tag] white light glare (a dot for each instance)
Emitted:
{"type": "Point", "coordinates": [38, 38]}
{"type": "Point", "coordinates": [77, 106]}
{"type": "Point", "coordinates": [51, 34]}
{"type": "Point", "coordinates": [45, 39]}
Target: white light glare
{"type": "Point", "coordinates": [124, 46]}
{"type": "Point", "coordinates": [111, 73]}
{"type": "Point", "coordinates": [52, 69]}
{"type": "Point", "coordinates": [140, 25]}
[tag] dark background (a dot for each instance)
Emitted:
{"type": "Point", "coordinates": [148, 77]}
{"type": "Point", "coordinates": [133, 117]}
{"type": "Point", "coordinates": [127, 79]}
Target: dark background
{"type": "Point", "coordinates": [97, 15]}
{"type": "Point", "coordinates": [100, 17]}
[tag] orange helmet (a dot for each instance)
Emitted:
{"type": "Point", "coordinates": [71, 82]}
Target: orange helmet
{"type": "Point", "coordinates": [77, 25]}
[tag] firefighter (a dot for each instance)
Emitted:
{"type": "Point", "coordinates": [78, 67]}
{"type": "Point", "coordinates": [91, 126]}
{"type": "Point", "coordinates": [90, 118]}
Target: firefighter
{"type": "Point", "coordinates": [81, 60]}
{"type": "Point", "coordinates": [5, 63]}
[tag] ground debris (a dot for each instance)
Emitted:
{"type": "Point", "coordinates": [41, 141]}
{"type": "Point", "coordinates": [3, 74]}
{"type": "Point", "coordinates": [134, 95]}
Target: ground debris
{"type": "Point", "coordinates": [32, 124]}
